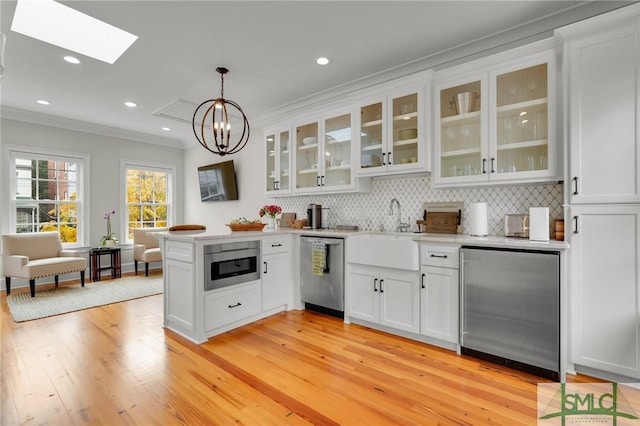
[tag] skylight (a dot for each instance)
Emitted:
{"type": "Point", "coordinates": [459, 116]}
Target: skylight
{"type": "Point", "coordinates": [60, 25]}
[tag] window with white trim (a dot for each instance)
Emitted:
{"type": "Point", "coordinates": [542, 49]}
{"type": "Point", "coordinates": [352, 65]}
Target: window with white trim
{"type": "Point", "coordinates": [148, 197]}
{"type": "Point", "coordinates": [47, 195]}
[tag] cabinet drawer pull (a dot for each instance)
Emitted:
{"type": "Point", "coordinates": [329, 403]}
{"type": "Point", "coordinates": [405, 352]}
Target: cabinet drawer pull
{"type": "Point", "coordinates": [234, 306]}
{"type": "Point", "coordinates": [441, 256]}
{"type": "Point", "coordinates": [422, 281]}
{"type": "Point", "coordinates": [381, 289]}
{"type": "Point", "coordinates": [276, 245]}
{"type": "Point", "coordinates": [575, 224]}
{"type": "Point", "coordinates": [575, 185]}
{"type": "Point", "coordinates": [375, 284]}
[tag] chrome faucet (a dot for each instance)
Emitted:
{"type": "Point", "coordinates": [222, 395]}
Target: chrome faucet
{"type": "Point", "coordinates": [400, 226]}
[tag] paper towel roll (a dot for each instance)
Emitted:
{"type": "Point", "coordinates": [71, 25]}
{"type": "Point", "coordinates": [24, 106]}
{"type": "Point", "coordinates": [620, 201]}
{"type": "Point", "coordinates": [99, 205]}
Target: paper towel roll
{"type": "Point", "coordinates": [479, 220]}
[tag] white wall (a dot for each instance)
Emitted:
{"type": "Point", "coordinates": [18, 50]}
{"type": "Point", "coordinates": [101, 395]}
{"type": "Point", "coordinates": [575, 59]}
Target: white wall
{"type": "Point", "coordinates": [249, 164]}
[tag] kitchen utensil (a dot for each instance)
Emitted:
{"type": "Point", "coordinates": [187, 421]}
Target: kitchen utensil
{"type": "Point", "coordinates": [441, 217]}
{"type": "Point", "coordinates": [465, 102]}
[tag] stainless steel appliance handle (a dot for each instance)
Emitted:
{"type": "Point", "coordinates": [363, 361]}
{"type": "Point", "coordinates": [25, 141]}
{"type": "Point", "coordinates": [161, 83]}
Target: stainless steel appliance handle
{"type": "Point", "coordinates": [462, 315]}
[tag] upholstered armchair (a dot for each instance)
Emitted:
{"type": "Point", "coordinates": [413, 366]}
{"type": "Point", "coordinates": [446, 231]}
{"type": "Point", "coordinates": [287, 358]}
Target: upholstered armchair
{"type": "Point", "coordinates": [36, 255]}
{"type": "Point", "coordinates": [146, 248]}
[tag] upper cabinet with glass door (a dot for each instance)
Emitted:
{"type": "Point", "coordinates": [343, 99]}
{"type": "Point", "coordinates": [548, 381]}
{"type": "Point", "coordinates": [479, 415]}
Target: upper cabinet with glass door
{"type": "Point", "coordinates": [278, 162]}
{"type": "Point", "coordinates": [323, 155]}
{"type": "Point", "coordinates": [501, 131]}
{"type": "Point", "coordinates": [391, 138]}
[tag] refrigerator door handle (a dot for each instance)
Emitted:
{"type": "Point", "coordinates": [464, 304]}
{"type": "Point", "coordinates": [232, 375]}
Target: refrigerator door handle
{"type": "Point", "coordinates": [461, 301]}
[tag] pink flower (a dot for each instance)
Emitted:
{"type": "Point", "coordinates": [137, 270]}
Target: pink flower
{"type": "Point", "coordinates": [270, 210]}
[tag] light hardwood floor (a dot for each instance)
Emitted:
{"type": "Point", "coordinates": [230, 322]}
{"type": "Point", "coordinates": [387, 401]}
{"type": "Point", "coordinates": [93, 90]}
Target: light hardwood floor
{"type": "Point", "coordinates": [116, 365]}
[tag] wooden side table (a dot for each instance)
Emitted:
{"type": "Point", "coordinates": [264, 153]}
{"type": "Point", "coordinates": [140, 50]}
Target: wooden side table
{"type": "Point", "coordinates": [95, 267]}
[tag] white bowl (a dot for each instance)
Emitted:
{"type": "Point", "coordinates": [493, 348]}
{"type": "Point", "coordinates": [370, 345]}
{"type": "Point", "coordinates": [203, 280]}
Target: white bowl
{"type": "Point", "coordinates": [309, 140]}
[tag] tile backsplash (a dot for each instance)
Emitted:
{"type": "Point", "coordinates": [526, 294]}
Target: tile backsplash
{"type": "Point", "coordinates": [371, 210]}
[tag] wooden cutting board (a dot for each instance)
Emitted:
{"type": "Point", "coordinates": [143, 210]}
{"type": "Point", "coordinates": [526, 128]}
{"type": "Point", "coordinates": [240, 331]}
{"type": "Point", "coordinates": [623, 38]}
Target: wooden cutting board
{"type": "Point", "coordinates": [439, 223]}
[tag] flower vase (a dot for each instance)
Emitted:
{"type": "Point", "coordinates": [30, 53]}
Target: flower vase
{"type": "Point", "coordinates": [110, 243]}
{"type": "Point", "coordinates": [271, 224]}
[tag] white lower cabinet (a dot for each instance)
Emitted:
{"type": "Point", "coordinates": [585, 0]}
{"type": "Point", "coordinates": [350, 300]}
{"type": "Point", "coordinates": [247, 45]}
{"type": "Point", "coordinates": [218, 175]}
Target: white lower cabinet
{"type": "Point", "coordinates": [384, 296]}
{"type": "Point", "coordinates": [276, 272]}
{"type": "Point", "coordinates": [231, 304]}
{"type": "Point", "coordinates": [439, 292]}
{"type": "Point", "coordinates": [605, 288]}
{"type": "Point", "coordinates": [179, 295]}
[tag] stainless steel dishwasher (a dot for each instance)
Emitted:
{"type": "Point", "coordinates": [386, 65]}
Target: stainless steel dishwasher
{"type": "Point", "coordinates": [511, 308]}
{"type": "Point", "coordinates": [322, 274]}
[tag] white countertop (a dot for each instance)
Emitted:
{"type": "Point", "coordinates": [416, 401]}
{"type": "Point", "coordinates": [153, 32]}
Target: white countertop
{"type": "Point", "coordinates": [491, 241]}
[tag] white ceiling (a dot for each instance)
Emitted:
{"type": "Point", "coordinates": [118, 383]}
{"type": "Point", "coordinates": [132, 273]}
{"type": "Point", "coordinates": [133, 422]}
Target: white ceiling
{"type": "Point", "coordinates": [269, 47]}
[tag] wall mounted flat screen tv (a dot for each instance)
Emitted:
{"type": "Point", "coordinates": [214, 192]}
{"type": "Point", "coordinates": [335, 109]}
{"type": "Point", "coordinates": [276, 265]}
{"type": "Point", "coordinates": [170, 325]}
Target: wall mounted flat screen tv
{"type": "Point", "coordinates": [218, 182]}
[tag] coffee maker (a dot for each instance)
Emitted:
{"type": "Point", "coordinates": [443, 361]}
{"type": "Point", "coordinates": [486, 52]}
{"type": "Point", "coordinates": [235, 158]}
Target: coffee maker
{"type": "Point", "coordinates": [314, 216]}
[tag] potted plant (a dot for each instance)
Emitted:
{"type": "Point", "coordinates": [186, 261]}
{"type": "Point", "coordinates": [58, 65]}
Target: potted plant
{"type": "Point", "coordinates": [109, 240]}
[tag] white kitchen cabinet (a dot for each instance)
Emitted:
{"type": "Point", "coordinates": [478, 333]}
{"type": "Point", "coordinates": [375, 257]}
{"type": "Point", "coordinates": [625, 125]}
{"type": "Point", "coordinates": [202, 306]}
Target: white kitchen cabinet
{"type": "Point", "coordinates": [602, 79]}
{"type": "Point", "coordinates": [276, 273]}
{"type": "Point", "coordinates": [604, 293]}
{"type": "Point", "coordinates": [439, 292]}
{"type": "Point", "coordinates": [231, 304]}
{"type": "Point", "coordinates": [384, 296]}
{"type": "Point", "coordinates": [496, 124]}
{"type": "Point", "coordinates": [391, 138]}
{"type": "Point", "coordinates": [278, 161]}
{"type": "Point", "coordinates": [180, 291]}
{"type": "Point", "coordinates": [323, 154]}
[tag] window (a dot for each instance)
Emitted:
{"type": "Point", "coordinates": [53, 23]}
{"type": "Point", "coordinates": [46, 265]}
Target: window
{"type": "Point", "coordinates": [46, 194]}
{"type": "Point", "coordinates": [149, 196]}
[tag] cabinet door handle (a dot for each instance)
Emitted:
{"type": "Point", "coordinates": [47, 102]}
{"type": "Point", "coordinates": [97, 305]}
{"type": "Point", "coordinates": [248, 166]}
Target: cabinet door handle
{"type": "Point", "coordinates": [493, 169]}
{"type": "Point", "coordinates": [442, 256]}
{"type": "Point", "coordinates": [317, 180]}
{"type": "Point", "coordinates": [484, 165]}
{"type": "Point", "coordinates": [322, 180]}
{"type": "Point", "coordinates": [381, 288]}
{"type": "Point", "coordinates": [389, 158]}
{"type": "Point", "coordinates": [234, 306]}
{"type": "Point", "coordinates": [575, 185]}
{"type": "Point", "coordinates": [575, 224]}
{"type": "Point", "coordinates": [265, 268]}
{"type": "Point", "coordinates": [422, 281]}
{"type": "Point", "coordinates": [383, 163]}
{"type": "Point", "coordinates": [375, 284]}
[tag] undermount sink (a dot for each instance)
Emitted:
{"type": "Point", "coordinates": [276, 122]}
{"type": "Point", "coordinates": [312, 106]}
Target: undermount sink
{"type": "Point", "coordinates": [388, 250]}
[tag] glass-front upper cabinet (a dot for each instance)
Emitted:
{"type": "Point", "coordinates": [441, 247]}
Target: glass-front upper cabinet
{"type": "Point", "coordinates": [460, 132]}
{"type": "Point", "coordinates": [278, 160]}
{"type": "Point", "coordinates": [521, 120]}
{"type": "Point", "coordinates": [323, 156]}
{"type": "Point", "coordinates": [499, 127]}
{"type": "Point", "coordinates": [391, 134]}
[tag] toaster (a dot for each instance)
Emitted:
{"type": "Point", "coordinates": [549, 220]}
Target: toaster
{"type": "Point", "coordinates": [516, 225]}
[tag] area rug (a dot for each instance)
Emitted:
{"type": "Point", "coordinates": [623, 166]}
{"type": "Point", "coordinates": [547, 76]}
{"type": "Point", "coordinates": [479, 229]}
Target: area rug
{"type": "Point", "coordinates": [73, 298]}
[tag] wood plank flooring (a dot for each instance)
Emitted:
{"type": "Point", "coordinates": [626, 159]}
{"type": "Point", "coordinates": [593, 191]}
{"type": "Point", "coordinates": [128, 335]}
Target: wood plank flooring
{"type": "Point", "coordinates": [116, 365]}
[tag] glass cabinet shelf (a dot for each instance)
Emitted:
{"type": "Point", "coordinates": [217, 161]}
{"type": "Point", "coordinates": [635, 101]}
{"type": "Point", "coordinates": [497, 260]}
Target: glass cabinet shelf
{"type": "Point", "coordinates": [309, 146]}
{"type": "Point", "coordinates": [460, 153]}
{"type": "Point", "coordinates": [406, 142]}
{"type": "Point", "coordinates": [522, 145]}
{"type": "Point", "coordinates": [460, 119]}
{"type": "Point", "coordinates": [372, 123]}
{"type": "Point", "coordinates": [405, 116]}
{"type": "Point", "coordinates": [372, 147]}
{"type": "Point", "coordinates": [535, 105]}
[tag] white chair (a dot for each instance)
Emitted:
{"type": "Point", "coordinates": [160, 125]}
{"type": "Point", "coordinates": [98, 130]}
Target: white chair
{"type": "Point", "coordinates": [36, 255]}
{"type": "Point", "coordinates": [146, 248]}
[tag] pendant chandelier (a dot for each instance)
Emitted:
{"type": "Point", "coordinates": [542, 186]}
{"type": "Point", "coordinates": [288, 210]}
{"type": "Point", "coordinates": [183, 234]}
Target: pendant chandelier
{"type": "Point", "coordinates": [212, 126]}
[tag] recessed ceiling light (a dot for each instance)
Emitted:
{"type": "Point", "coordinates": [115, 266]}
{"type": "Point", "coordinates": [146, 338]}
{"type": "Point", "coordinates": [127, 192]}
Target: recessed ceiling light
{"type": "Point", "coordinates": [131, 104]}
{"type": "Point", "coordinates": [60, 25]}
{"type": "Point", "coordinates": [71, 59]}
{"type": "Point", "coordinates": [322, 60]}
{"type": "Point", "coordinates": [166, 129]}
{"type": "Point", "coordinates": [43, 102]}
